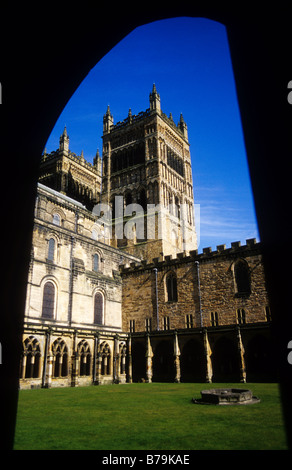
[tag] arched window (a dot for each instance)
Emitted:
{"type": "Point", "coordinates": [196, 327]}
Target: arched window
{"type": "Point", "coordinates": [60, 353]}
{"type": "Point", "coordinates": [113, 206]}
{"type": "Point", "coordinates": [177, 207]}
{"type": "Point", "coordinates": [123, 355]}
{"type": "Point", "coordinates": [51, 249]}
{"type": "Point", "coordinates": [96, 262]}
{"type": "Point", "coordinates": [48, 301]}
{"type": "Point", "coordinates": [94, 234]}
{"type": "Point", "coordinates": [170, 203]}
{"type": "Point", "coordinates": [84, 358]}
{"type": "Point", "coordinates": [142, 199]}
{"type": "Point", "coordinates": [98, 309]}
{"type": "Point", "coordinates": [171, 288]}
{"type": "Point", "coordinates": [56, 219]}
{"type": "Point", "coordinates": [242, 277]}
{"type": "Point", "coordinates": [31, 358]}
{"type": "Point", "coordinates": [105, 359]}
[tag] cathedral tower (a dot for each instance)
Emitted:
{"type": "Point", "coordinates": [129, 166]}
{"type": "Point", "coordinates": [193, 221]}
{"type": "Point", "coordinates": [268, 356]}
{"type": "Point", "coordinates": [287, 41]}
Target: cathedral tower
{"type": "Point", "coordinates": [71, 174]}
{"type": "Point", "coordinates": [147, 181]}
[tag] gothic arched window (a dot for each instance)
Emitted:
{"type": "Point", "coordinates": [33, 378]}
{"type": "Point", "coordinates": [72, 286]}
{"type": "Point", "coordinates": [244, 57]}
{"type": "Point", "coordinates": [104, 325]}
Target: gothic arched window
{"type": "Point", "coordinates": [105, 359]}
{"type": "Point", "coordinates": [48, 300]}
{"type": "Point", "coordinates": [98, 309]}
{"type": "Point", "coordinates": [31, 358]}
{"type": "Point", "coordinates": [60, 353]}
{"type": "Point", "coordinates": [171, 288]}
{"type": "Point", "coordinates": [96, 263]}
{"type": "Point", "coordinates": [56, 219]}
{"type": "Point", "coordinates": [51, 249]}
{"type": "Point", "coordinates": [84, 358]}
{"type": "Point", "coordinates": [242, 277]}
{"type": "Point", "coordinates": [142, 199]}
{"type": "Point", "coordinates": [123, 356]}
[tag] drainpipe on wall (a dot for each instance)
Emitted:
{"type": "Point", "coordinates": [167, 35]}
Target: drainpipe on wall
{"type": "Point", "coordinates": [199, 289]}
{"type": "Point", "coordinates": [156, 294]}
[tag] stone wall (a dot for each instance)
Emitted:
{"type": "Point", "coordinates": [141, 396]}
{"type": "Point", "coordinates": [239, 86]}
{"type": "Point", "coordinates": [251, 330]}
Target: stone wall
{"type": "Point", "coordinates": [70, 266]}
{"type": "Point", "coordinates": [217, 291]}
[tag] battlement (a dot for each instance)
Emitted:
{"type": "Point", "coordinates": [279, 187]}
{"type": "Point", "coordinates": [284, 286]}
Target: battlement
{"type": "Point", "coordinates": [134, 118]}
{"type": "Point", "coordinates": [184, 257]}
{"type": "Point", "coordinates": [131, 119]}
{"type": "Point", "coordinates": [172, 124]}
{"type": "Point", "coordinates": [55, 155]}
{"type": "Point", "coordinates": [155, 109]}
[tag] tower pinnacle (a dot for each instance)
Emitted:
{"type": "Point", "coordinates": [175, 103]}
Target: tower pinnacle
{"type": "Point", "coordinates": [64, 142]}
{"type": "Point", "coordinates": [108, 120]}
{"type": "Point", "coordinates": [182, 126]}
{"type": "Point", "coordinates": [154, 99]}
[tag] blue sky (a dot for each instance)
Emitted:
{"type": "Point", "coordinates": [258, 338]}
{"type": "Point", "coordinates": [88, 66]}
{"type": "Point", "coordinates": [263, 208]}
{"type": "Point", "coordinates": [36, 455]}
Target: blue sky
{"type": "Point", "coordinates": [188, 59]}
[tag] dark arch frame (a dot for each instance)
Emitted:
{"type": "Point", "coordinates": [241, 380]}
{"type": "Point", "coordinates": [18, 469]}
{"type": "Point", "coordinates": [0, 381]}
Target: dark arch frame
{"type": "Point", "coordinates": [262, 71]}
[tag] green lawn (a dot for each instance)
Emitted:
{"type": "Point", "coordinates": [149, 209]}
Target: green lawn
{"type": "Point", "coordinates": [146, 416]}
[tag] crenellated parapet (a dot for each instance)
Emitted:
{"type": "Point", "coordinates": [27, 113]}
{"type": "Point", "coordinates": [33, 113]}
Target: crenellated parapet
{"type": "Point", "coordinates": [207, 254]}
{"type": "Point", "coordinates": [55, 155]}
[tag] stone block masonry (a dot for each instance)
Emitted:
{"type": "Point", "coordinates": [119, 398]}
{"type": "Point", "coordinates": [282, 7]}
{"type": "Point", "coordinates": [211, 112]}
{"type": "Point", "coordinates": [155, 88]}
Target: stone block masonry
{"type": "Point", "coordinates": [231, 290]}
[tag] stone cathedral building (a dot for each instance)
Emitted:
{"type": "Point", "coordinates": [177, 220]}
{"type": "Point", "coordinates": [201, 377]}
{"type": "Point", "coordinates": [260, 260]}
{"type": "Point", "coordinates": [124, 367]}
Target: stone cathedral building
{"type": "Point", "coordinates": [117, 290]}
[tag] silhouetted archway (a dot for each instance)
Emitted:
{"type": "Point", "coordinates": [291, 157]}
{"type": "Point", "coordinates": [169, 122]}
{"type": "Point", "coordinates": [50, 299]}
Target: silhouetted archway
{"type": "Point", "coordinates": [260, 366]}
{"type": "Point", "coordinates": [193, 362]}
{"type": "Point", "coordinates": [225, 361]}
{"type": "Point", "coordinates": [163, 362]}
{"type": "Point", "coordinates": [261, 75]}
{"type": "Point", "coordinates": [138, 361]}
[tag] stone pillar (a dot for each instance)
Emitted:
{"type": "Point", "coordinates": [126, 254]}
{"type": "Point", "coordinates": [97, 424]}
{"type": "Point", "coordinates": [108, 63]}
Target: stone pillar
{"type": "Point", "coordinates": [241, 356]}
{"type": "Point", "coordinates": [208, 353]}
{"type": "Point", "coordinates": [123, 364]}
{"type": "Point", "coordinates": [75, 362]}
{"type": "Point", "coordinates": [129, 379]}
{"type": "Point", "coordinates": [59, 365]}
{"type": "Point", "coordinates": [98, 360]}
{"type": "Point", "coordinates": [176, 354]}
{"type": "Point", "coordinates": [75, 368]}
{"type": "Point", "coordinates": [49, 370]}
{"type": "Point", "coordinates": [116, 375]}
{"type": "Point", "coordinates": [98, 368]}
{"type": "Point", "coordinates": [149, 355]}
{"type": "Point", "coordinates": [94, 360]}
{"type": "Point", "coordinates": [46, 360]}
{"type": "Point", "coordinates": [23, 366]}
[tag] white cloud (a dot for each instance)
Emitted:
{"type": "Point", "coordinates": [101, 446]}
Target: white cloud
{"type": "Point", "coordinates": [222, 224]}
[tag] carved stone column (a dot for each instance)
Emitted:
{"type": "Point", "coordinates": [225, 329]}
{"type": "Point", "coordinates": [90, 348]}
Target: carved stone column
{"type": "Point", "coordinates": [241, 352]}
{"type": "Point", "coordinates": [149, 355]}
{"type": "Point", "coordinates": [129, 378]}
{"type": "Point", "coordinates": [116, 375]}
{"type": "Point", "coordinates": [49, 370]}
{"type": "Point", "coordinates": [75, 368]}
{"type": "Point", "coordinates": [208, 353]}
{"type": "Point", "coordinates": [23, 366]}
{"type": "Point", "coordinates": [98, 360]}
{"type": "Point", "coordinates": [176, 354]}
